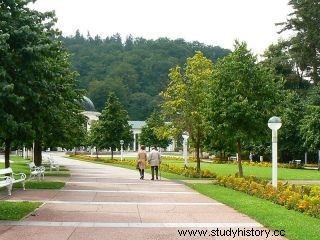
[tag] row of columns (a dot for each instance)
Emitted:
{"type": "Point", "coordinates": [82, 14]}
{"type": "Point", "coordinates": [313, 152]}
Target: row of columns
{"type": "Point", "coordinates": [136, 143]}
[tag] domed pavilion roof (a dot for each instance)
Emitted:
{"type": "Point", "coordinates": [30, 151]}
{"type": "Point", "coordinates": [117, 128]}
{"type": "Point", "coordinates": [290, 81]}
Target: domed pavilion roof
{"type": "Point", "coordinates": [88, 104]}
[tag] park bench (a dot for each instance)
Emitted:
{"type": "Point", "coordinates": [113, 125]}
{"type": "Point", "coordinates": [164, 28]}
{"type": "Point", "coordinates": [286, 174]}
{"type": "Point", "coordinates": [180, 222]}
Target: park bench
{"type": "Point", "coordinates": [14, 177]}
{"type": "Point", "coordinates": [36, 171]}
{"type": "Point", "coordinates": [296, 162]}
{"type": "Point", "coordinates": [233, 158]}
{"type": "Point", "coordinates": [53, 164]}
{"type": "Point", "coordinates": [5, 181]}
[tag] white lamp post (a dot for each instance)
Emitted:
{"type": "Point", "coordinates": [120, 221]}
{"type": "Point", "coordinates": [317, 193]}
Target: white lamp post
{"type": "Point", "coordinates": [121, 143]}
{"type": "Point", "coordinates": [274, 124]}
{"type": "Point", "coordinates": [185, 136]}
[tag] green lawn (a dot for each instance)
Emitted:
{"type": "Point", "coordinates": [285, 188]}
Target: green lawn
{"type": "Point", "coordinates": [40, 185]}
{"type": "Point", "coordinates": [16, 210]}
{"type": "Point", "coordinates": [297, 226]}
{"type": "Point", "coordinates": [261, 172]}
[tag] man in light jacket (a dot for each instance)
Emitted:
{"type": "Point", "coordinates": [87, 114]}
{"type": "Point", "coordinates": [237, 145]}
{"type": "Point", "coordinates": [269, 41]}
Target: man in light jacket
{"type": "Point", "coordinates": [154, 161]}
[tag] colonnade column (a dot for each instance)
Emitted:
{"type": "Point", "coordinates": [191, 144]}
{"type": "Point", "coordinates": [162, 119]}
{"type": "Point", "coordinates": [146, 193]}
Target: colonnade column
{"type": "Point", "coordinates": [134, 142]}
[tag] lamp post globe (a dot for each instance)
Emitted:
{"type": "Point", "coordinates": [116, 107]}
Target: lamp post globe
{"type": "Point", "coordinates": [185, 135]}
{"type": "Point", "coordinates": [274, 124]}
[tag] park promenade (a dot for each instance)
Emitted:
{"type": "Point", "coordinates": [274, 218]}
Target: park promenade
{"type": "Point", "coordinates": [102, 202]}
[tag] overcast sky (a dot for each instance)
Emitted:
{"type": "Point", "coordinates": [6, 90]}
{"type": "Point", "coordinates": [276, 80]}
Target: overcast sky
{"type": "Point", "coordinates": [213, 22]}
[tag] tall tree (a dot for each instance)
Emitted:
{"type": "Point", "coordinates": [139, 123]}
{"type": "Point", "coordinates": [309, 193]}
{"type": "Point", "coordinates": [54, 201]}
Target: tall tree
{"type": "Point", "coordinates": [310, 123]}
{"type": "Point", "coordinates": [243, 96]}
{"type": "Point", "coordinates": [150, 135]}
{"type": "Point", "coordinates": [278, 57]}
{"type": "Point", "coordinates": [290, 140]}
{"type": "Point", "coordinates": [55, 88]}
{"type": "Point", "coordinates": [36, 74]}
{"type": "Point", "coordinates": [184, 98]}
{"type": "Point", "coordinates": [305, 45]}
{"type": "Point", "coordinates": [113, 125]}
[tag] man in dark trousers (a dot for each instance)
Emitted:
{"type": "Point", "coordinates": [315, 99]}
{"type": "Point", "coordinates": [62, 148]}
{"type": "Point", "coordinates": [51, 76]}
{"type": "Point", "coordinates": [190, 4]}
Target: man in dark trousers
{"type": "Point", "coordinates": [154, 161]}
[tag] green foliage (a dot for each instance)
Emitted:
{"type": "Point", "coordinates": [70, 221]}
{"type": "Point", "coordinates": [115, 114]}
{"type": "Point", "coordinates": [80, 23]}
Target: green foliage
{"type": "Point", "coordinates": [136, 70]}
{"type": "Point", "coordinates": [39, 101]}
{"type": "Point", "coordinates": [304, 47]}
{"type": "Point", "coordinates": [153, 133]}
{"type": "Point", "coordinates": [310, 122]}
{"type": "Point", "coordinates": [244, 95]}
{"type": "Point", "coordinates": [278, 57]}
{"type": "Point", "coordinates": [112, 126]}
{"type": "Point", "coordinates": [290, 138]}
{"type": "Point", "coordinates": [185, 96]}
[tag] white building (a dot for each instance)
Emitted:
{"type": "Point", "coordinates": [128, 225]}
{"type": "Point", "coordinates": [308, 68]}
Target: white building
{"type": "Point", "coordinates": [90, 112]}
{"type": "Point", "coordinates": [136, 129]}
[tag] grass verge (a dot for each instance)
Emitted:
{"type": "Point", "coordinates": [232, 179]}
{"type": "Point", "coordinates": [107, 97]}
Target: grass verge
{"type": "Point", "coordinates": [40, 185]}
{"type": "Point", "coordinates": [297, 226]}
{"type": "Point", "coordinates": [20, 165]}
{"type": "Point", "coordinates": [16, 210]}
{"type": "Point", "coordinates": [261, 172]}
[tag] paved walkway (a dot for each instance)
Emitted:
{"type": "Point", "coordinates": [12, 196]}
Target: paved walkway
{"type": "Point", "coordinates": [102, 202]}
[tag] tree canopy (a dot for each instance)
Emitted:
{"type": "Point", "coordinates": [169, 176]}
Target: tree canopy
{"type": "Point", "coordinates": [37, 83]}
{"type": "Point", "coordinates": [152, 132]}
{"type": "Point", "coordinates": [243, 96]}
{"type": "Point", "coordinates": [112, 126]}
{"type": "Point", "coordinates": [185, 96]}
{"type": "Point", "coordinates": [304, 46]}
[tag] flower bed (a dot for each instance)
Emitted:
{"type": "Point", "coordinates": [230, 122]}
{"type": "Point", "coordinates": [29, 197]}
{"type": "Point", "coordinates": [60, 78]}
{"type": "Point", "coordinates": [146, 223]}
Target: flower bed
{"type": "Point", "coordinates": [305, 199]}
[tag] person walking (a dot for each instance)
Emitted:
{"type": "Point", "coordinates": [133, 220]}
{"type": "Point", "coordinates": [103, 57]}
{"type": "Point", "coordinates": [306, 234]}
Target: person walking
{"type": "Point", "coordinates": [154, 161]}
{"type": "Point", "coordinates": [141, 161]}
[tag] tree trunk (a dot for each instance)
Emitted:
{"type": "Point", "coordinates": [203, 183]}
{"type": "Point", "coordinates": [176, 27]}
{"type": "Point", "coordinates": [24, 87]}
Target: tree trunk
{"type": "Point", "coordinates": [220, 155]}
{"type": "Point", "coordinates": [315, 76]}
{"type": "Point", "coordinates": [315, 66]}
{"type": "Point", "coordinates": [7, 153]}
{"type": "Point", "coordinates": [239, 159]}
{"type": "Point", "coordinates": [198, 156]}
{"type": "Point", "coordinates": [111, 154]}
{"type": "Point", "coordinates": [37, 151]}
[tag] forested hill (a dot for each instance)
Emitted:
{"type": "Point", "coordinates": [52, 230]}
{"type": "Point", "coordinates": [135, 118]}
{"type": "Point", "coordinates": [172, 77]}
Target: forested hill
{"type": "Point", "coordinates": [135, 69]}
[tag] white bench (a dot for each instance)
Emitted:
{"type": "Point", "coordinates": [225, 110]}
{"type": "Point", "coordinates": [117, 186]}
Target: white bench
{"type": "Point", "coordinates": [36, 171]}
{"type": "Point", "coordinates": [234, 158]}
{"type": "Point", "coordinates": [53, 165]}
{"type": "Point", "coordinates": [296, 162]}
{"type": "Point", "coordinates": [14, 177]}
{"type": "Point", "coordinates": [5, 181]}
